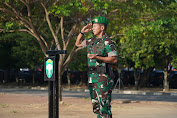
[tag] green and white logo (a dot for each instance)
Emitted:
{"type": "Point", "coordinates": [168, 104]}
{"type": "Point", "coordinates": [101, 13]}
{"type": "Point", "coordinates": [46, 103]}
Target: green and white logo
{"type": "Point", "coordinates": [49, 68]}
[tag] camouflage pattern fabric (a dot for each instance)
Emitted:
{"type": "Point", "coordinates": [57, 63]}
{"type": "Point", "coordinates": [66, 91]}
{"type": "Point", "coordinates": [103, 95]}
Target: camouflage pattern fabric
{"type": "Point", "coordinates": [104, 47]}
{"type": "Point", "coordinates": [100, 84]}
{"type": "Point", "coordinates": [100, 94]}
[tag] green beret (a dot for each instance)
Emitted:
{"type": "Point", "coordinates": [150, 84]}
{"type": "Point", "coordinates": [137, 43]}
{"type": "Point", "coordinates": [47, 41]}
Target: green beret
{"type": "Point", "coordinates": [99, 20]}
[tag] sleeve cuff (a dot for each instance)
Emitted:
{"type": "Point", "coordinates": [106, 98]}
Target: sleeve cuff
{"type": "Point", "coordinates": [84, 43]}
{"type": "Point", "coordinates": [112, 53]}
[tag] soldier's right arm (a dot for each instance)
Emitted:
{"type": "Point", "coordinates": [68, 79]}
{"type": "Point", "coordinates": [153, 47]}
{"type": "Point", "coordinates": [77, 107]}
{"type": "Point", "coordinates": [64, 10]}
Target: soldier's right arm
{"type": "Point", "coordinates": [79, 40]}
{"type": "Point", "coordinates": [85, 29]}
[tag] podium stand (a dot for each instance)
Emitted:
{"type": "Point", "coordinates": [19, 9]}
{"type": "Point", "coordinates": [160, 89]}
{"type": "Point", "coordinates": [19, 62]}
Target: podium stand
{"type": "Point", "coordinates": [51, 75]}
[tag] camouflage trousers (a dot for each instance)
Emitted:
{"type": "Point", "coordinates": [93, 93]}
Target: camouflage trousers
{"type": "Point", "coordinates": [100, 94]}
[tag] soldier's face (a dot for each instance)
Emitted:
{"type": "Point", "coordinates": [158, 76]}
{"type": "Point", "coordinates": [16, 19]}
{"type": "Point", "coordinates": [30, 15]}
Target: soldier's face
{"type": "Point", "coordinates": [97, 29]}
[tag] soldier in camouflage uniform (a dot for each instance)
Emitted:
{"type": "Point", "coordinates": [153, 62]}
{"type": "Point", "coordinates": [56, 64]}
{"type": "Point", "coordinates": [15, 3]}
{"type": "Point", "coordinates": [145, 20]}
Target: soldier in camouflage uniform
{"type": "Point", "coordinates": [101, 53]}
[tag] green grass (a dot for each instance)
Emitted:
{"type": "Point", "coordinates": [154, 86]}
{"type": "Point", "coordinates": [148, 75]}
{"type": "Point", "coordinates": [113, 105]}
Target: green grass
{"type": "Point", "coordinates": [14, 111]}
{"type": "Point", "coordinates": [85, 98]}
{"type": "Point", "coordinates": [3, 106]}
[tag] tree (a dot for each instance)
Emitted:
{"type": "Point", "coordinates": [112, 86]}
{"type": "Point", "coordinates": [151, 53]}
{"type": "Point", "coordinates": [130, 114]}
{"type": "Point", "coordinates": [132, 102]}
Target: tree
{"type": "Point", "coordinates": [5, 52]}
{"type": "Point", "coordinates": [151, 42]}
{"type": "Point", "coordinates": [21, 48]}
{"type": "Point", "coordinates": [50, 22]}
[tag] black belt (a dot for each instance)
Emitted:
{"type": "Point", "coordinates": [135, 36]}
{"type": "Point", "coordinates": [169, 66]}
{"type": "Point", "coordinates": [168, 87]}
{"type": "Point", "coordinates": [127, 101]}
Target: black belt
{"type": "Point", "coordinates": [99, 70]}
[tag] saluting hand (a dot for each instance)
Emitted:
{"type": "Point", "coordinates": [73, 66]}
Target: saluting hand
{"type": "Point", "coordinates": [87, 28]}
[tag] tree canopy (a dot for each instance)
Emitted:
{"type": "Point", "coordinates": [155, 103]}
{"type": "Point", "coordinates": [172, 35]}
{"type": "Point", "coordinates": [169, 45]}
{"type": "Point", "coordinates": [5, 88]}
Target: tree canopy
{"type": "Point", "coordinates": [144, 31]}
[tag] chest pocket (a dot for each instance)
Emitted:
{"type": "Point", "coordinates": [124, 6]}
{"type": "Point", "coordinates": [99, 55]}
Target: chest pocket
{"type": "Point", "coordinates": [90, 47]}
{"type": "Point", "coordinates": [99, 48]}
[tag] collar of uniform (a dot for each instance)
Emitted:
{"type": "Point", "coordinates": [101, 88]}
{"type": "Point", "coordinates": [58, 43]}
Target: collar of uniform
{"type": "Point", "coordinates": [105, 35]}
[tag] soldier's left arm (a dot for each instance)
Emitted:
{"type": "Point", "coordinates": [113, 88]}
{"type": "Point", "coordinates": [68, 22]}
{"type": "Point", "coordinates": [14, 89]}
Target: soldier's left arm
{"type": "Point", "coordinates": [107, 59]}
{"type": "Point", "coordinates": [112, 59]}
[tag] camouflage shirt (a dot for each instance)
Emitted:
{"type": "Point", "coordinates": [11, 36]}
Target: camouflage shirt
{"type": "Point", "coordinates": [104, 47]}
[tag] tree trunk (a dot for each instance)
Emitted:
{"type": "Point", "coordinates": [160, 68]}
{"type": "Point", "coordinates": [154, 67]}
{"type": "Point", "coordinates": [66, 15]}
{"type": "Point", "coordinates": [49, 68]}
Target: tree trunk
{"type": "Point", "coordinates": [146, 77]}
{"type": "Point", "coordinates": [83, 76]}
{"type": "Point", "coordinates": [166, 82]}
{"type": "Point", "coordinates": [166, 76]}
{"type": "Point", "coordinates": [69, 78]}
{"type": "Point", "coordinates": [33, 77]}
{"type": "Point", "coordinates": [137, 78]}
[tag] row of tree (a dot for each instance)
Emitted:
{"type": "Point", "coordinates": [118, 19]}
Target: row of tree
{"type": "Point", "coordinates": [151, 42]}
{"type": "Point", "coordinates": [144, 31]}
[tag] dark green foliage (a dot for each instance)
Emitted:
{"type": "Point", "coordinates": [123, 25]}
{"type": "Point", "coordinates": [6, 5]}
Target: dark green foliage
{"type": "Point", "coordinates": [19, 50]}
